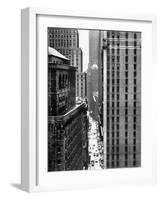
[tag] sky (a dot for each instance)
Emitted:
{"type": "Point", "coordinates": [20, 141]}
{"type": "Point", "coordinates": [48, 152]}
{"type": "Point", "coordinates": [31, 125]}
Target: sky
{"type": "Point", "coordinates": [84, 45]}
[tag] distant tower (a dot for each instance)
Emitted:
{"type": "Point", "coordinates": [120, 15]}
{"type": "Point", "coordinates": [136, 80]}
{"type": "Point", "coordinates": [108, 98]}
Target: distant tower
{"type": "Point", "coordinates": [92, 71]}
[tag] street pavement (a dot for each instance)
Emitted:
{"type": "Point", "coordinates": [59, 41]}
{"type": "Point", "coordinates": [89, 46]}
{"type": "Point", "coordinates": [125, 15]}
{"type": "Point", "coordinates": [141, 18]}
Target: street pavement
{"type": "Point", "coordinates": [95, 146]}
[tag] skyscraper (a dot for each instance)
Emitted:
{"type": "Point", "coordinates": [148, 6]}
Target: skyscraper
{"type": "Point", "coordinates": [66, 41]}
{"type": "Point", "coordinates": [122, 103]}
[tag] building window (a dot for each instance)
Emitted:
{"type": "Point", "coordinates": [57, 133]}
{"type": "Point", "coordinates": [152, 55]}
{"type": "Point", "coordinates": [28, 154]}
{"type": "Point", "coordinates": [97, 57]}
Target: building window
{"type": "Point", "coordinates": [134, 148]}
{"type": "Point", "coordinates": [108, 111]}
{"type": "Point", "coordinates": [134, 111]}
{"type": "Point", "coordinates": [134, 126]}
{"type": "Point", "coordinates": [118, 88]}
{"type": "Point", "coordinates": [113, 74]}
{"type": "Point", "coordinates": [135, 81]}
{"type": "Point", "coordinates": [134, 163]}
{"type": "Point", "coordinates": [117, 134]}
{"type": "Point", "coordinates": [118, 111]}
{"type": "Point", "coordinates": [113, 141]}
{"type": "Point", "coordinates": [134, 103]}
{"type": "Point", "coordinates": [134, 156]}
{"type": "Point", "coordinates": [126, 133]}
{"type": "Point", "coordinates": [134, 141]}
{"type": "Point", "coordinates": [126, 89]}
{"type": "Point", "coordinates": [113, 104]}
{"type": "Point", "coordinates": [113, 111]}
{"type": "Point", "coordinates": [126, 119]}
{"type": "Point", "coordinates": [126, 156]}
{"type": "Point", "coordinates": [134, 133]}
{"type": "Point", "coordinates": [135, 58]}
{"type": "Point", "coordinates": [134, 96]}
{"type": "Point", "coordinates": [126, 111]}
{"type": "Point", "coordinates": [58, 162]}
{"type": "Point", "coordinates": [126, 126]}
{"type": "Point", "coordinates": [117, 126]}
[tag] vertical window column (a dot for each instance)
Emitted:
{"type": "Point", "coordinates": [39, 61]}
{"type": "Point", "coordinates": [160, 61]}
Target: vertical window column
{"type": "Point", "coordinates": [126, 99]}
{"type": "Point", "coordinates": [134, 100]}
{"type": "Point", "coordinates": [117, 105]}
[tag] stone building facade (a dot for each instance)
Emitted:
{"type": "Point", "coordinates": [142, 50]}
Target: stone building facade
{"type": "Point", "coordinates": [67, 122]}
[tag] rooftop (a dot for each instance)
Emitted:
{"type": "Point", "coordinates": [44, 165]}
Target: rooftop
{"type": "Point", "coordinates": [54, 52]}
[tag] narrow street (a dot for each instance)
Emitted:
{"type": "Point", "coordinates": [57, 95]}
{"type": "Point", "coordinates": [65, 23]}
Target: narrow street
{"type": "Point", "coordinates": [95, 146]}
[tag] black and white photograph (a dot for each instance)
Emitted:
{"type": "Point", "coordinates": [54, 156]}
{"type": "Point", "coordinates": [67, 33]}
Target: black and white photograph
{"type": "Point", "coordinates": [94, 99]}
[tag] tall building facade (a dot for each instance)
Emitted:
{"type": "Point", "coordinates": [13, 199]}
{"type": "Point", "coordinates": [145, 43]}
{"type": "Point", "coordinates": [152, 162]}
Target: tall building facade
{"type": "Point", "coordinates": [67, 121]}
{"type": "Point", "coordinates": [82, 85]}
{"type": "Point", "coordinates": [121, 60]}
{"type": "Point", "coordinates": [66, 41]}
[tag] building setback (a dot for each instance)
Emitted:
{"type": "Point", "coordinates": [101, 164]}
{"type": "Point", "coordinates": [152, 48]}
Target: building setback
{"type": "Point", "coordinates": [66, 41]}
{"type": "Point", "coordinates": [121, 59]}
{"type": "Point", "coordinates": [67, 122]}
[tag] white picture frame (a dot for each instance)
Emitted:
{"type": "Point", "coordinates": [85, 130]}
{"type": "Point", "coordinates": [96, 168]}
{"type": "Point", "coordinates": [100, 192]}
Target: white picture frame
{"type": "Point", "coordinates": [31, 172]}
